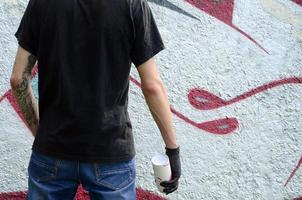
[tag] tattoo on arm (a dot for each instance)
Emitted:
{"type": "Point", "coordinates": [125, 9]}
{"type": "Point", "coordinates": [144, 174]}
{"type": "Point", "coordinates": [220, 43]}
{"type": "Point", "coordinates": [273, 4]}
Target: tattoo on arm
{"type": "Point", "coordinates": [25, 98]}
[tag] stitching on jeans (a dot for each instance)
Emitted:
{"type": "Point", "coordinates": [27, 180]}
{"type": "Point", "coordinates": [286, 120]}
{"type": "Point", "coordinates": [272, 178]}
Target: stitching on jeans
{"type": "Point", "coordinates": [54, 170]}
{"type": "Point", "coordinates": [96, 171]}
{"type": "Point", "coordinates": [106, 184]}
{"type": "Point", "coordinates": [39, 163]}
{"type": "Point", "coordinates": [130, 169]}
{"type": "Point", "coordinates": [115, 171]}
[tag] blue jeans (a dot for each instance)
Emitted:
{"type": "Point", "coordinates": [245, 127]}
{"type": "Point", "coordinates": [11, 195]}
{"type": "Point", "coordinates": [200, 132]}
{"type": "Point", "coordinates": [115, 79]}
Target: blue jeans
{"type": "Point", "coordinates": [55, 179]}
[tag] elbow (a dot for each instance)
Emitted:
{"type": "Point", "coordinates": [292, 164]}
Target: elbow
{"type": "Point", "coordinates": [15, 82]}
{"type": "Point", "coordinates": [153, 88]}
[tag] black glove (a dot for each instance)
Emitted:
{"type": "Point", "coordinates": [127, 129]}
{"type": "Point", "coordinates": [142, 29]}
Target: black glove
{"type": "Point", "coordinates": [172, 185]}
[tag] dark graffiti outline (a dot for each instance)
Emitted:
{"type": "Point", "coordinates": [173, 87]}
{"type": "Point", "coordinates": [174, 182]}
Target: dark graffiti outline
{"type": "Point", "coordinates": [204, 100]}
{"type": "Point", "coordinates": [167, 4]}
{"type": "Point", "coordinates": [208, 6]}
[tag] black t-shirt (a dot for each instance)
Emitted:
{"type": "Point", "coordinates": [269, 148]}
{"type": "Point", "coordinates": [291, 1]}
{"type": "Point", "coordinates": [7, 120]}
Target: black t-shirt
{"type": "Point", "coordinates": [85, 49]}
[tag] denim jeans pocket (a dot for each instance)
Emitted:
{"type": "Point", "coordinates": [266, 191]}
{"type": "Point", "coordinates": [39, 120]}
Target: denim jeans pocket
{"type": "Point", "coordinates": [115, 176]}
{"type": "Point", "coordinates": [42, 168]}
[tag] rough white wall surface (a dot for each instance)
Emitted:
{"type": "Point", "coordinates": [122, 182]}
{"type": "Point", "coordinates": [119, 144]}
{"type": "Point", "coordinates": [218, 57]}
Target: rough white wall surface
{"type": "Point", "coordinates": [248, 53]}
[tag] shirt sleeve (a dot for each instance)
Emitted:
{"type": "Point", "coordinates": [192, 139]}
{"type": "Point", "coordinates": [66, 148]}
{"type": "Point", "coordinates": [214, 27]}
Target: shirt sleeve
{"type": "Point", "coordinates": [28, 31]}
{"type": "Point", "coordinates": [148, 41]}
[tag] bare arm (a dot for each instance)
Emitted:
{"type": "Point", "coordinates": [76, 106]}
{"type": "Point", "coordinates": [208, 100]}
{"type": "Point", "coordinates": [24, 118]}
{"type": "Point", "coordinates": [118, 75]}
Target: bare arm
{"type": "Point", "coordinates": [157, 100]}
{"type": "Point", "coordinates": [21, 87]}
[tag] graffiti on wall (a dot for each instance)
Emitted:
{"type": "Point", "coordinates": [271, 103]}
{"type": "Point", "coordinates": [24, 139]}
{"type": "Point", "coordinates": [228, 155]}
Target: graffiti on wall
{"type": "Point", "coordinates": [200, 98]}
{"type": "Point", "coordinates": [221, 10]}
{"type": "Point", "coordinates": [299, 2]}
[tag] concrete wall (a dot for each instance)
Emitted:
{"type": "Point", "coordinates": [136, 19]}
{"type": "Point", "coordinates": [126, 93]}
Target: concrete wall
{"type": "Point", "coordinates": [233, 71]}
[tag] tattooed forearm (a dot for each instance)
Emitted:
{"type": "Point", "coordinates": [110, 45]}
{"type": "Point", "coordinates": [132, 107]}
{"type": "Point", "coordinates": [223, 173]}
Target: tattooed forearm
{"type": "Point", "coordinates": [24, 96]}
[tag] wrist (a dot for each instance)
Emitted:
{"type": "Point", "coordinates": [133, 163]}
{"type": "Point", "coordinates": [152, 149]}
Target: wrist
{"type": "Point", "coordinates": [172, 146]}
{"type": "Point", "coordinates": [172, 151]}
